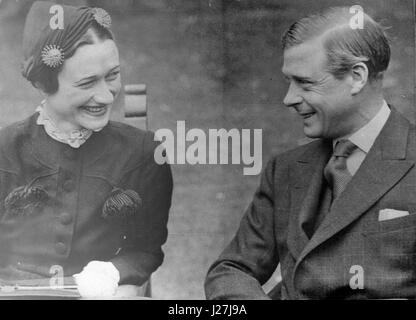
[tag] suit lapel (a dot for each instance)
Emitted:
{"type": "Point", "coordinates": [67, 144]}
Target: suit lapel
{"type": "Point", "coordinates": [382, 168]}
{"type": "Point", "coordinates": [306, 184]}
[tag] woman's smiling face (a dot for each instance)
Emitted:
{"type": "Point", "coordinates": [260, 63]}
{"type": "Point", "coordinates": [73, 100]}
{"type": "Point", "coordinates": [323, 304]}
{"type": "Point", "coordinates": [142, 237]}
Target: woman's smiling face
{"type": "Point", "coordinates": [88, 84]}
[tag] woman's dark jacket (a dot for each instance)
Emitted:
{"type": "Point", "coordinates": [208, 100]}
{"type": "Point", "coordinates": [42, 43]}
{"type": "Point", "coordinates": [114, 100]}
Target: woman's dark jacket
{"type": "Point", "coordinates": [108, 200]}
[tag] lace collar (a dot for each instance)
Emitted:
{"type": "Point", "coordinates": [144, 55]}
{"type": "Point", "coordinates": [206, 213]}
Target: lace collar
{"type": "Point", "coordinates": [75, 138]}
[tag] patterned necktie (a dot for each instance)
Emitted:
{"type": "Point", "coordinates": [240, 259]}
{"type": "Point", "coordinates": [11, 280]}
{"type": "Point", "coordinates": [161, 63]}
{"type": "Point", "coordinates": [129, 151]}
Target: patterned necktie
{"type": "Point", "coordinates": [336, 172]}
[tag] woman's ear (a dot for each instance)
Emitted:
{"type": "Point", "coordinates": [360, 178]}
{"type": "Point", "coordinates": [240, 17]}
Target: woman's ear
{"type": "Point", "coordinates": [40, 88]}
{"type": "Point", "coordinates": [359, 74]}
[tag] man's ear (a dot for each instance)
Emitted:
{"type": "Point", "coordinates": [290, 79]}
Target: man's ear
{"type": "Point", "coordinates": [359, 74]}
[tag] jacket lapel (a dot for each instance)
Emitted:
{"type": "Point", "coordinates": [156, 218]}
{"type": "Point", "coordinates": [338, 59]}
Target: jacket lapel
{"type": "Point", "coordinates": [306, 184]}
{"type": "Point", "coordinates": [383, 167]}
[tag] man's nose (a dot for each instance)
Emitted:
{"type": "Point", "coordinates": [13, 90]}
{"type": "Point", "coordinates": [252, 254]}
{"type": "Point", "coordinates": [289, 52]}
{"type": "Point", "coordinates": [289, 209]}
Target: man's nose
{"type": "Point", "coordinates": [104, 94]}
{"type": "Point", "coordinates": [292, 97]}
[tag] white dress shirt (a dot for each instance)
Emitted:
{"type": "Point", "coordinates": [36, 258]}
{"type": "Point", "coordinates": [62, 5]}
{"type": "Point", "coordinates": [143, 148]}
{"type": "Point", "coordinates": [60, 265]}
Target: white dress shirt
{"type": "Point", "coordinates": [364, 138]}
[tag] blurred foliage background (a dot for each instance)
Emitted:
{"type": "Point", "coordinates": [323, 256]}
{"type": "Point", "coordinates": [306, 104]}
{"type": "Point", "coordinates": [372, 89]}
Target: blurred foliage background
{"type": "Point", "coordinates": [215, 64]}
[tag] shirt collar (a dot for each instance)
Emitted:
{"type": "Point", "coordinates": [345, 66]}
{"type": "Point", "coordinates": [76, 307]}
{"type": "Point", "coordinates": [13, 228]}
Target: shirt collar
{"type": "Point", "coordinates": [364, 137]}
{"type": "Point", "coordinates": [75, 138]}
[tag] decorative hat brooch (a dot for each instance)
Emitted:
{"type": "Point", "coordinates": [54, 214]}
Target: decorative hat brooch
{"type": "Point", "coordinates": [102, 17]}
{"type": "Point", "coordinates": [53, 56]}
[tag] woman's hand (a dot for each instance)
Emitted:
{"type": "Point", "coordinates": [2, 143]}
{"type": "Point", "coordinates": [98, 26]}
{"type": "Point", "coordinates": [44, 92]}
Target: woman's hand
{"type": "Point", "coordinates": [97, 279]}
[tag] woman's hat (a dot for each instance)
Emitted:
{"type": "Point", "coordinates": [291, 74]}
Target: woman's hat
{"type": "Point", "coordinates": [51, 30]}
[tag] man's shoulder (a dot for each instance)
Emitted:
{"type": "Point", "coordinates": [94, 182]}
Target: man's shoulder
{"type": "Point", "coordinates": [295, 153]}
{"type": "Point", "coordinates": [411, 146]}
{"type": "Point", "coordinates": [279, 164]}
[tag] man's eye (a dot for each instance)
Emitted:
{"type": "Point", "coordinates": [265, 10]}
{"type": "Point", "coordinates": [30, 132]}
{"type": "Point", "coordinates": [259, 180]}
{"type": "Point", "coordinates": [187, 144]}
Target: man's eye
{"type": "Point", "coordinates": [304, 82]}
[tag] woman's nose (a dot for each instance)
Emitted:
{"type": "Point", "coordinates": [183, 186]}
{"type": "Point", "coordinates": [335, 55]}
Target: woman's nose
{"type": "Point", "coordinates": [104, 94]}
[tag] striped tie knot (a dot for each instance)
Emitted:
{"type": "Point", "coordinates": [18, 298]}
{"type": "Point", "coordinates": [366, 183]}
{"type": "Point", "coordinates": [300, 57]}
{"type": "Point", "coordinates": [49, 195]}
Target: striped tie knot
{"type": "Point", "coordinates": [344, 148]}
{"type": "Point", "coordinates": [336, 172]}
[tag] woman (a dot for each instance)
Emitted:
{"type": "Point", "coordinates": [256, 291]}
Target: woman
{"type": "Point", "coordinates": [79, 191]}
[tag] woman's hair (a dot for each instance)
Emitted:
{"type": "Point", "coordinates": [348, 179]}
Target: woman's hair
{"type": "Point", "coordinates": [47, 80]}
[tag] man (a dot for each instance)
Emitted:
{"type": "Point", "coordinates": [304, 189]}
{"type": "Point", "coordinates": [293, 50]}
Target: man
{"type": "Point", "coordinates": [338, 214]}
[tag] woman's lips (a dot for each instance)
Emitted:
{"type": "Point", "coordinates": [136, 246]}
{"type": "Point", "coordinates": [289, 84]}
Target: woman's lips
{"type": "Point", "coordinates": [95, 110]}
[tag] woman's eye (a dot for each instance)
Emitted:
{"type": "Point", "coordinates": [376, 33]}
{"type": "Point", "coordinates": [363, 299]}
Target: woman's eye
{"type": "Point", "coordinates": [113, 75]}
{"type": "Point", "coordinates": [87, 84]}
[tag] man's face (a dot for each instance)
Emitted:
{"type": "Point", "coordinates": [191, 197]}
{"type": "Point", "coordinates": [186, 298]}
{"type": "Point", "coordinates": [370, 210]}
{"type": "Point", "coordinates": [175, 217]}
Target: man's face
{"type": "Point", "coordinates": [324, 102]}
{"type": "Point", "coordinates": [88, 84]}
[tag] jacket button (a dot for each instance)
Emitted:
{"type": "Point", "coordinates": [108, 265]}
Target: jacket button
{"type": "Point", "coordinates": [69, 185]}
{"type": "Point", "coordinates": [65, 218]}
{"type": "Point", "coordinates": [60, 247]}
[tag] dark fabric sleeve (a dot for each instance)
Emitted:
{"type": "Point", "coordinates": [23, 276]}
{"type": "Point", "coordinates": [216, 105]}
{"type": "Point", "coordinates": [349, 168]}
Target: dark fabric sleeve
{"type": "Point", "coordinates": [143, 253]}
{"type": "Point", "coordinates": [250, 259]}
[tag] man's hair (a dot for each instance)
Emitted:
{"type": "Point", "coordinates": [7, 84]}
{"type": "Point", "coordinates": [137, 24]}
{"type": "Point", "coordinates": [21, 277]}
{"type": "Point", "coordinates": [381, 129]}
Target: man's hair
{"type": "Point", "coordinates": [47, 80]}
{"type": "Point", "coordinates": [344, 45]}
